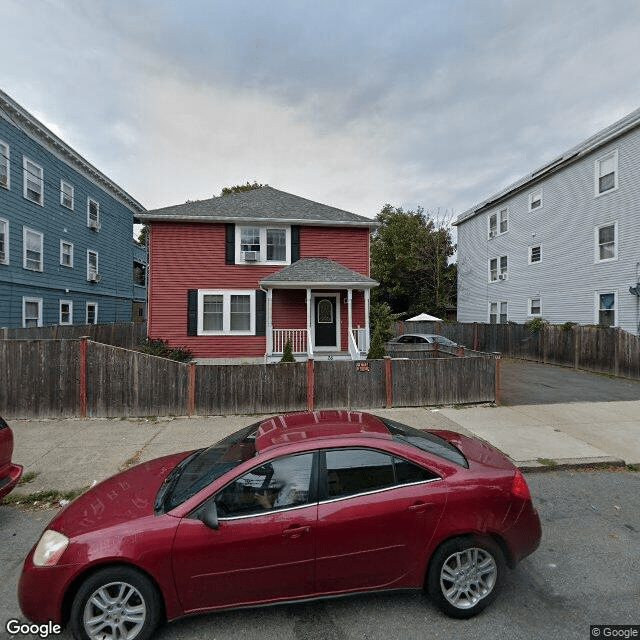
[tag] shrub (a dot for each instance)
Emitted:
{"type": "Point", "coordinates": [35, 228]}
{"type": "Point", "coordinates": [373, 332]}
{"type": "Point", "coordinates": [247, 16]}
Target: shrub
{"type": "Point", "coordinates": [377, 349]}
{"type": "Point", "coordinates": [536, 324]}
{"type": "Point", "coordinates": [287, 354]}
{"type": "Point", "coordinates": [567, 326]}
{"type": "Point", "coordinates": [161, 349]}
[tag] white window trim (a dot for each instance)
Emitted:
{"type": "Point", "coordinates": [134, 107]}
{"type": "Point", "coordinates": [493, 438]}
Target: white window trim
{"type": "Point", "coordinates": [89, 270]}
{"type": "Point", "coordinates": [597, 259]}
{"type": "Point", "coordinates": [70, 303]}
{"type": "Point", "coordinates": [497, 231]}
{"type": "Point", "coordinates": [4, 152]}
{"type": "Point", "coordinates": [25, 231]}
{"type": "Point", "coordinates": [64, 183]}
{"type": "Point", "coordinates": [498, 311]}
{"type": "Point", "coordinates": [498, 269]}
{"type": "Point", "coordinates": [40, 179]}
{"type": "Point", "coordinates": [615, 305]}
{"type": "Point", "coordinates": [532, 197]}
{"type": "Point", "coordinates": [63, 242]}
{"type": "Point", "coordinates": [91, 224]}
{"type": "Point", "coordinates": [226, 311]}
{"type": "Point", "coordinates": [263, 244]}
{"type": "Point", "coordinates": [6, 240]}
{"type": "Point", "coordinates": [24, 310]}
{"type": "Point", "coordinates": [95, 306]}
{"type": "Point", "coordinates": [596, 173]}
{"type": "Point", "coordinates": [530, 313]}
{"type": "Point", "coordinates": [531, 248]}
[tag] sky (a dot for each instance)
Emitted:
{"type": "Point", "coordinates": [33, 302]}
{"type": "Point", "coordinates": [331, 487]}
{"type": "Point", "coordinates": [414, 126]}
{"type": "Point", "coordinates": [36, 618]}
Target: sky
{"type": "Point", "coordinates": [355, 104]}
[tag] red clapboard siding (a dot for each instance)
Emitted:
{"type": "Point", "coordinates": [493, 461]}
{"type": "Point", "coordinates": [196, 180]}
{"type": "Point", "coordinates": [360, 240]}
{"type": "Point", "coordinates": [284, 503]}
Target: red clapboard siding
{"type": "Point", "coordinates": [348, 246]}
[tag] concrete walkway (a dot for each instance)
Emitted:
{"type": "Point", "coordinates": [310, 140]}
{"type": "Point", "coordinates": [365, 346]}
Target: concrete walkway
{"type": "Point", "coordinates": [72, 454]}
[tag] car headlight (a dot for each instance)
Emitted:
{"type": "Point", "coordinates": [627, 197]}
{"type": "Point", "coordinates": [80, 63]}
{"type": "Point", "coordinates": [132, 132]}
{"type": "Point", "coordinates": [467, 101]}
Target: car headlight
{"type": "Point", "coordinates": [49, 548]}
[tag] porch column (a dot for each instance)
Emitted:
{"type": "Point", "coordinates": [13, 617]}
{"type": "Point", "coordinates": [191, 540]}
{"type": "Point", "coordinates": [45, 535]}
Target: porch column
{"type": "Point", "coordinates": [367, 304]}
{"type": "Point", "coordinates": [309, 345]}
{"type": "Point", "coordinates": [349, 309]}
{"type": "Point", "coordinates": [269, 322]}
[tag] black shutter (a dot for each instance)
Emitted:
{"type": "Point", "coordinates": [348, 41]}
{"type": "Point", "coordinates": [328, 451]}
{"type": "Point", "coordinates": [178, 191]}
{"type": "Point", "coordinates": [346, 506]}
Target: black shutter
{"type": "Point", "coordinates": [261, 313]}
{"type": "Point", "coordinates": [192, 312]}
{"type": "Point", "coordinates": [230, 244]}
{"type": "Point", "coordinates": [295, 243]}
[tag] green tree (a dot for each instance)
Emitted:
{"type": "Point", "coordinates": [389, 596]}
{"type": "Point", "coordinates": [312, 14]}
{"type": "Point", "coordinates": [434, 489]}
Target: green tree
{"type": "Point", "coordinates": [143, 236]}
{"type": "Point", "coordinates": [239, 188]}
{"type": "Point", "coordinates": [287, 353]}
{"type": "Point", "coordinates": [381, 322]}
{"type": "Point", "coordinates": [410, 258]}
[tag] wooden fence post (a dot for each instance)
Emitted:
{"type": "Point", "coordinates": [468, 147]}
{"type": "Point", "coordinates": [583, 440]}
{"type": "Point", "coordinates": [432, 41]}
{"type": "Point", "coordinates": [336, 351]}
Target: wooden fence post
{"type": "Point", "coordinates": [498, 361]}
{"type": "Point", "coordinates": [191, 389]}
{"type": "Point", "coordinates": [82, 400]}
{"type": "Point", "coordinates": [310, 385]}
{"type": "Point", "coordinates": [388, 380]}
{"type": "Point", "coordinates": [475, 336]}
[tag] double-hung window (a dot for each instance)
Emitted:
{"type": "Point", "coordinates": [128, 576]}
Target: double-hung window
{"type": "Point", "coordinates": [92, 313]}
{"type": "Point", "coordinates": [4, 241]}
{"type": "Point", "coordinates": [498, 222]}
{"type": "Point", "coordinates": [606, 308]}
{"type": "Point", "coordinates": [32, 249]}
{"type": "Point", "coordinates": [535, 200]}
{"type": "Point", "coordinates": [33, 182]}
{"type": "Point", "coordinates": [66, 195]}
{"type": "Point", "coordinates": [66, 253]}
{"type": "Point", "coordinates": [4, 165]}
{"type": "Point", "coordinates": [66, 312]}
{"type": "Point", "coordinates": [498, 312]}
{"type": "Point", "coordinates": [607, 242]}
{"type": "Point", "coordinates": [31, 312]}
{"type": "Point", "coordinates": [93, 214]}
{"type": "Point", "coordinates": [92, 266]}
{"type": "Point", "coordinates": [263, 245]}
{"type": "Point", "coordinates": [606, 173]}
{"type": "Point", "coordinates": [226, 312]}
{"type": "Point", "coordinates": [498, 269]}
{"type": "Point", "coordinates": [535, 307]}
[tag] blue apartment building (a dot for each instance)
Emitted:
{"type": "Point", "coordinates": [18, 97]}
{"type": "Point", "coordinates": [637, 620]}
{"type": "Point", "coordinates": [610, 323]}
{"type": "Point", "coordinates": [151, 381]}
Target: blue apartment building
{"type": "Point", "coordinates": [66, 250]}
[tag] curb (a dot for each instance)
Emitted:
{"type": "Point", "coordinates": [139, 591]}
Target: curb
{"type": "Point", "coordinates": [567, 464]}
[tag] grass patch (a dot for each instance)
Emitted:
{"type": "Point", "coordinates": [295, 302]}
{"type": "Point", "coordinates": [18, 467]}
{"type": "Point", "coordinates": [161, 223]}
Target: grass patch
{"type": "Point", "coordinates": [42, 499]}
{"type": "Point", "coordinates": [633, 467]}
{"type": "Point", "coordinates": [28, 477]}
{"type": "Point", "coordinates": [547, 462]}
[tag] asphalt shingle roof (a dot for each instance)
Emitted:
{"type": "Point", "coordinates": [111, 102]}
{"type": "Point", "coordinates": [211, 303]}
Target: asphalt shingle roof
{"type": "Point", "coordinates": [314, 271]}
{"type": "Point", "coordinates": [263, 204]}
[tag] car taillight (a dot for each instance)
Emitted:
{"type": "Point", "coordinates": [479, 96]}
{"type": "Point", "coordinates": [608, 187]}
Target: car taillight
{"type": "Point", "coordinates": [520, 488]}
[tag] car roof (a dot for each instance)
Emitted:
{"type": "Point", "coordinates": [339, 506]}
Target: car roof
{"type": "Point", "coordinates": [318, 425]}
{"type": "Point", "coordinates": [420, 335]}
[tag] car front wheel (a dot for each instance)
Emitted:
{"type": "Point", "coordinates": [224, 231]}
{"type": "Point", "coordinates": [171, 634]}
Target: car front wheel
{"type": "Point", "coordinates": [115, 603]}
{"type": "Point", "coordinates": [465, 575]}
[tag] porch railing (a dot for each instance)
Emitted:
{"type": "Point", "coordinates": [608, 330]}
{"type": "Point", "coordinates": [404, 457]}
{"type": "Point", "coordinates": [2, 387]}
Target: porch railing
{"type": "Point", "coordinates": [361, 337]}
{"type": "Point", "coordinates": [298, 339]}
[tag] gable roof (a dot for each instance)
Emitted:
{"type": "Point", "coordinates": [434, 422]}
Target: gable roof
{"type": "Point", "coordinates": [317, 272]}
{"type": "Point", "coordinates": [591, 144]}
{"type": "Point", "coordinates": [265, 204]}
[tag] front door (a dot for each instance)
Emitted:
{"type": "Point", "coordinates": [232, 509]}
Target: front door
{"type": "Point", "coordinates": [325, 321]}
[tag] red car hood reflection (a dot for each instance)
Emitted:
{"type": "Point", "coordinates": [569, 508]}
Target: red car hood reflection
{"type": "Point", "coordinates": [121, 498]}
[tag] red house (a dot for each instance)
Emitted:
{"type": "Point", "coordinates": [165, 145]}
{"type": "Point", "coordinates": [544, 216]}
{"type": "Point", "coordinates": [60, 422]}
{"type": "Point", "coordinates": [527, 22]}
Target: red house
{"type": "Point", "coordinates": [233, 278]}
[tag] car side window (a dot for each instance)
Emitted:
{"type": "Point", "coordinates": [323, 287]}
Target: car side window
{"type": "Point", "coordinates": [352, 471]}
{"type": "Point", "coordinates": [279, 484]}
{"type": "Point", "coordinates": [408, 472]}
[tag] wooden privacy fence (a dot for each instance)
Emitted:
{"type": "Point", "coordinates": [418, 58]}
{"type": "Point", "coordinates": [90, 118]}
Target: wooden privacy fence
{"type": "Point", "coordinates": [69, 378]}
{"type": "Point", "coordinates": [592, 348]}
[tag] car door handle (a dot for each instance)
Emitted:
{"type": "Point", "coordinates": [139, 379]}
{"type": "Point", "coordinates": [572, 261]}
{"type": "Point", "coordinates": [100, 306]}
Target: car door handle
{"type": "Point", "coordinates": [420, 507]}
{"type": "Point", "coordinates": [295, 532]}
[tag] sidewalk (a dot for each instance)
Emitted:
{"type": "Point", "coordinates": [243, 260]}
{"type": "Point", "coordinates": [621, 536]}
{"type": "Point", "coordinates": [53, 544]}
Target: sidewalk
{"type": "Point", "coordinates": [72, 454]}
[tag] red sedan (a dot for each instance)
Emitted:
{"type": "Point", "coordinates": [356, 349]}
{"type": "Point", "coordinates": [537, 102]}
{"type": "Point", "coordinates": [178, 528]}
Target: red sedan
{"type": "Point", "coordinates": [294, 507]}
{"type": "Point", "coordinates": [9, 473]}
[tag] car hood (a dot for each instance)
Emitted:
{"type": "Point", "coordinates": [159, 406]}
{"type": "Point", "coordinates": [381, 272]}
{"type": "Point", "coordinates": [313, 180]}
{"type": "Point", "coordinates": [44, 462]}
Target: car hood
{"type": "Point", "coordinates": [127, 496]}
{"type": "Point", "coordinates": [475, 450]}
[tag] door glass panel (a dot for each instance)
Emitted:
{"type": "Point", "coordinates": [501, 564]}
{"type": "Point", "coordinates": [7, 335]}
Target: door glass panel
{"type": "Point", "coordinates": [351, 471]}
{"type": "Point", "coordinates": [325, 312]}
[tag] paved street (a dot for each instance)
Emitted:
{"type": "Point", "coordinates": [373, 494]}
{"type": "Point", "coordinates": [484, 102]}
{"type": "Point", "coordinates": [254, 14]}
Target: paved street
{"type": "Point", "coordinates": [586, 571]}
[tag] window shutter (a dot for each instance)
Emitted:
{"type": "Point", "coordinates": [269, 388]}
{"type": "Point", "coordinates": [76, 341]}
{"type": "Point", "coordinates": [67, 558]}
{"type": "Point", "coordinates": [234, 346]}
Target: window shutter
{"type": "Point", "coordinates": [295, 243]}
{"type": "Point", "coordinates": [230, 244]}
{"type": "Point", "coordinates": [261, 313]}
{"type": "Point", "coordinates": [192, 312]}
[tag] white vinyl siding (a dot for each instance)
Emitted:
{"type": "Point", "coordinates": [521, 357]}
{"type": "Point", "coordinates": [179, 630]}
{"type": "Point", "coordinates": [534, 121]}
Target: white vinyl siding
{"type": "Point", "coordinates": [33, 181]}
{"type": "Point", "coordinates": [226, 312]}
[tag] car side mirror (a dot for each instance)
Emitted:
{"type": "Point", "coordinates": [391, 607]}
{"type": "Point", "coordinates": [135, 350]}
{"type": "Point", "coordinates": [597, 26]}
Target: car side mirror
{"type": "Point", "coordinates": [208, 515]}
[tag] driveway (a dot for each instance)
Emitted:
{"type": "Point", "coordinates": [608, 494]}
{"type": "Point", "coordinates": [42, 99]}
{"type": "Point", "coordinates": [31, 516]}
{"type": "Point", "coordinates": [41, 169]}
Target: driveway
{"type": "Point", "coordinates": [523, 383]}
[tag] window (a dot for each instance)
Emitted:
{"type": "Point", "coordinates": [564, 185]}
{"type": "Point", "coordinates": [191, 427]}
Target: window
{"type": "Point", "coordinates": [493, 225]}
{"type": "Point", "coordinates": [93, 214]}
{"type": "Point", "coordinates": [33, 182]}
{"type": "Point", "coordinates": [606, 309]}
{"type": "Point", "coordinates": [92, 266]}
{"type": "Point", "coordinates": [66, 312]}
{"type": "Point", "coordinates": [31, 312]}
{"type": "Point", "coordinates": [66, 195]}
{"type": "Point", "coordinates": [498, 312]}
{"type": "Point", "coordinates": [92, 313]}
{"type": "Point", "coordinates": [498, 223]}
{"type": "Point", "coordinates": [606, 173]}
{"type": "Point", "coordinates": [283, 483]}
{"type": "Point", "coordinates": [535, 200]}
{"type": "Point", "coordinates": [226, 312]}
{"type": "Point", "coordinates": [535, 307]}
{"type": "Point", "coordinates": [66, 253]}
{"type": "Point", "coordinates": [32, 249]}
{"type": "Point", "coordinates": [325, 312]}
{"type": "Point", "coordinates": [607, 243]}
{"type": "Point", "coordinates": [4, 165]}
{"type": "Point", "coordinates": [504, 222]}
{"type": "Point", "coordinates": [353, 471]}
{"type": "Point", "coordinates": [498, 269]}
{"type": "Point", "coordinates": [139, 273]}
{"type": "Point", "coordinates": [4, 241]}
{"type": "Point", "coordinates": [535, 254]}
{"type": "Point", "coordinates": [263, 245]}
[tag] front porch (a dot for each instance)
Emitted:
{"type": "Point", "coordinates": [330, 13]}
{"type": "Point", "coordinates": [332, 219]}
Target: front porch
{"type": "Point", "coordinates": [302, 345]}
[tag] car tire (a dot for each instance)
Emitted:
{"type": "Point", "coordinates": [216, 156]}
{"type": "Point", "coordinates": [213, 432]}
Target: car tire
{"type": "Point", "coordinates": [465, 575]}
{"type": "Point", "coordinates": [113, 603]}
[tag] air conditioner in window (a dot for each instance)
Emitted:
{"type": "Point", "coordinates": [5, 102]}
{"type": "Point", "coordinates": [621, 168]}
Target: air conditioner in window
{"type": "Point", "coordinates": [492, 234]}
{"type": "Point", "coordinates": [94, 277]}
{"type": "Point", "coordinates": [94, 224]}
{"type": "Point", "coordinates": [502, 276]}
{"type": "Point", "coordinates": [250, 256]}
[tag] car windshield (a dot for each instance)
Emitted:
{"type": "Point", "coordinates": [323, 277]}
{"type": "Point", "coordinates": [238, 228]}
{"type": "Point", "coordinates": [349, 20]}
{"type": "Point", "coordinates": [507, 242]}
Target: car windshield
{"type": "Point", "coordinates": [426, 441]}
{"type": "Point", "coordinates": [203, 467]}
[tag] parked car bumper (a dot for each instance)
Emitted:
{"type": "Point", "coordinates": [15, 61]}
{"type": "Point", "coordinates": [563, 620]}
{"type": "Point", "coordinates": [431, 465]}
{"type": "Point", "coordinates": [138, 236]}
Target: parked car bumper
{"type": "Point", "coordinates": [9, 478]}
{"type": "Point", "coordinates": [524, 536]}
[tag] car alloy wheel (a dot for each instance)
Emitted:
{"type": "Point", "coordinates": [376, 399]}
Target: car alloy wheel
{"type": "Point", "coordinates": [465, 575]}
{"type": "Point", "coordinates": [117, 603]}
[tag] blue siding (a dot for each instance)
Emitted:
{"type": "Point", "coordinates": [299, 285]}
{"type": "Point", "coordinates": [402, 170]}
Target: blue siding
{"type": "Point", "coordinates": [115, 292]}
